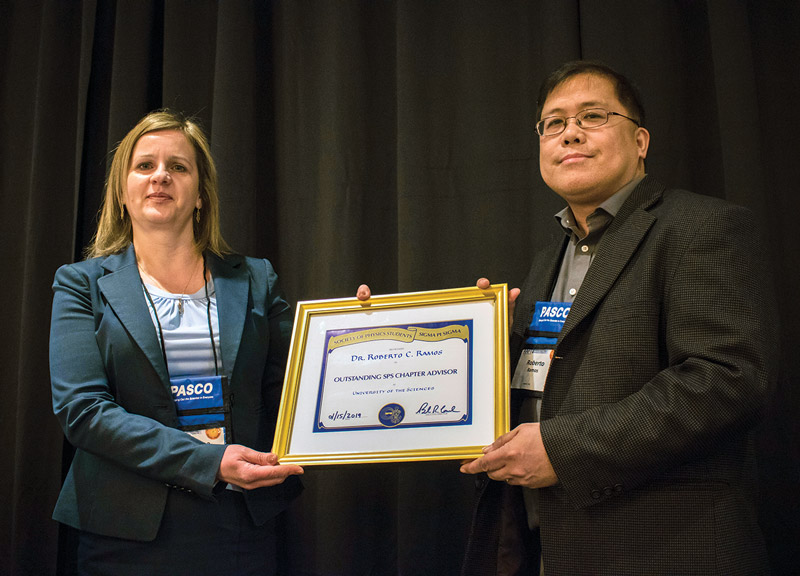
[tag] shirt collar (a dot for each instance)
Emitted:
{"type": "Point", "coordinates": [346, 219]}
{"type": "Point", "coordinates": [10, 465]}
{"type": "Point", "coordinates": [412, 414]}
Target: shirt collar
{"type": "Point", "coordinates": [611, 206]}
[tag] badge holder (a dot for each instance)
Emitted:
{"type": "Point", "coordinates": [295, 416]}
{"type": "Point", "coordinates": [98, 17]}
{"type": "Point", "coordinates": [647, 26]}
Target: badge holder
{"type": "Point", "coordinates": [537, 354]}
{"type": "Point", "coordinates": [204, 408]}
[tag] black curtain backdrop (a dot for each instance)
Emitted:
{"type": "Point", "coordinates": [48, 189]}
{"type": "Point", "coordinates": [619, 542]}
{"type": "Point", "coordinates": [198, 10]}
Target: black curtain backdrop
{"type": "Point", "coordinates": [388, 142]}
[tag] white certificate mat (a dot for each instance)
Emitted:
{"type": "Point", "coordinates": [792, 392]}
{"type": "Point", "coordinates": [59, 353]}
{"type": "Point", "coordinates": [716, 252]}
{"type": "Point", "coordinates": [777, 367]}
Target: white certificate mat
{"type": "Point", "coordinates": [416, 376]}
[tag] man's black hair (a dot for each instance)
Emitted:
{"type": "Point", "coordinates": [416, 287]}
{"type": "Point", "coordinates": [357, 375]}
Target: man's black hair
{"type": "Point", "coordinates": [627, 93]}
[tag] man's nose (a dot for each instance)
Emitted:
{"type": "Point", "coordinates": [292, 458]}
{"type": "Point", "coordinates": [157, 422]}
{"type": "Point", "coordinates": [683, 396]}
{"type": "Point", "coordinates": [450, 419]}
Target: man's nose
{"type": "Point", "coordinates": [572, 130]}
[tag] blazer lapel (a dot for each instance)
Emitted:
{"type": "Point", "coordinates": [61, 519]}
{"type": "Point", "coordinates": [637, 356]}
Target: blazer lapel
{"type": "Point", "coordinates": [616, 248]}
{"type": "Point", "coordinates": [232, 284]}
{"type": "Point", "coordinates": [121, 287]}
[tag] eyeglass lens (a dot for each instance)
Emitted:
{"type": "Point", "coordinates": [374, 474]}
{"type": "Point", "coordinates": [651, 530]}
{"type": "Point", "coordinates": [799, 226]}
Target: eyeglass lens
{"type": "Point", "coordinates": [590, 118]}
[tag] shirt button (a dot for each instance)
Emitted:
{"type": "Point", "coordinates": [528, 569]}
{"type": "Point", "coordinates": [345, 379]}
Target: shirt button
{"type": "Point", "coordinates": [572, 291]}
{"type": "Point", "coordinates": [584, 248]}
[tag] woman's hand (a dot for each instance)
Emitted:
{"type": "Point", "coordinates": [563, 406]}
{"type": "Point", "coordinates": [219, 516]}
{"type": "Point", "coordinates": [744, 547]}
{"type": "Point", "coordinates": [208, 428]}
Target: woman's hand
{"type": "Point", "coordinates": [248, 469]}
{"type": "Point", "coordinates": [363, 292]}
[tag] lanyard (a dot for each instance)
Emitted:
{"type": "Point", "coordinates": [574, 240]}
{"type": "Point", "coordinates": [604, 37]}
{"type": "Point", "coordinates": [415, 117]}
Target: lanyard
{"type": "Point", "coordinates": [161, 330]}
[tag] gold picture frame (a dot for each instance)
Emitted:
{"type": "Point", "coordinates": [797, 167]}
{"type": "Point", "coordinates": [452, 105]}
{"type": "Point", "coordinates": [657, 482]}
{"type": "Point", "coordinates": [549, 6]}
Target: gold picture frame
{"type": "Point", "coordinates": [400, 377]}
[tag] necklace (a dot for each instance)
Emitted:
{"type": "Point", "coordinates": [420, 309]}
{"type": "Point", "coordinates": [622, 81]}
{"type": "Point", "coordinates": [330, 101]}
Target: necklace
{"type": "Point", "coordinates": [182, 297]}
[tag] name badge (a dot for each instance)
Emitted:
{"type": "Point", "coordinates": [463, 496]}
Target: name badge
{"type": "Point", "coordinates": [532, 370]}
{"type": "Point", "coordinates": [203, 407]}
{"type": "Point", "coordinates": [541, 337]}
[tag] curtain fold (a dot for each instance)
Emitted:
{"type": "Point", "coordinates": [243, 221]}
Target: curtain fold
{"type": "Point", "coordinates": [385, 142]}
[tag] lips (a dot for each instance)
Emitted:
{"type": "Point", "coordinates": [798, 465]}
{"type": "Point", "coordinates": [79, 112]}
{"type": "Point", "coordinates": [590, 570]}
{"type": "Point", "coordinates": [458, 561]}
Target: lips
{"type": "Point", "coordinates": [159, 196]}
{"type": "Point", "coordinates": [569, 158]}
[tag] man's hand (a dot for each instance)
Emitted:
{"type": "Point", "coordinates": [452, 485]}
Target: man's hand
{"type": "Point", "coordinates": [483, 284]}
{"type": "Point", "coordinates": [518, 458]}
{"type": "Point", "coordinates": [247, 468]}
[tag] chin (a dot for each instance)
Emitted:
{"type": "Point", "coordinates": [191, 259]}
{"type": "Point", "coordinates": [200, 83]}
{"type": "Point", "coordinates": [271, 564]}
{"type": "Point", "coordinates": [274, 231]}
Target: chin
{"type": "Point", "coordinates": [579, 184]}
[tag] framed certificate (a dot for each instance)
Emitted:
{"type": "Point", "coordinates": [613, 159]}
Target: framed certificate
{"type": "Point", "coordinates": [401, 377]}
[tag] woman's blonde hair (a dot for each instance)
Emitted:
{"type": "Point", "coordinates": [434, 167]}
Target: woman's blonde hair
{"type": "Point", "coordinates": [114, 231]}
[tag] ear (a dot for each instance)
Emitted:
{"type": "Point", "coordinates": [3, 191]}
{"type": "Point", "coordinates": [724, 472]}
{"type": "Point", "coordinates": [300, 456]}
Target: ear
{"type": "Point", "coordinates": [199, 203]}
{"type": "Point", "coordinates": [642, 141]}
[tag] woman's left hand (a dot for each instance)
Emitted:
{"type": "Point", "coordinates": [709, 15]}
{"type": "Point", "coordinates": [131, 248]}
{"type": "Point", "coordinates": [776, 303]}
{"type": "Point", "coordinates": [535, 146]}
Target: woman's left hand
{"type": "Point", "coordinates": [248, 469]}
{"type": "Point", "coordinates": [363, 293]}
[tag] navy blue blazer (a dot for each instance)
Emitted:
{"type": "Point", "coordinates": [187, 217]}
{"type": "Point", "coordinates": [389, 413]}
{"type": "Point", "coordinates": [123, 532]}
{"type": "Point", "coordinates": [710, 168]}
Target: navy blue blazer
{"type": "Point", "coordinates": [112, 397]}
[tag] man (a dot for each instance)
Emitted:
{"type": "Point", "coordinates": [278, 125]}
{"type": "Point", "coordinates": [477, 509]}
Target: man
{"type": "Point", "coordinates": [644, 347]}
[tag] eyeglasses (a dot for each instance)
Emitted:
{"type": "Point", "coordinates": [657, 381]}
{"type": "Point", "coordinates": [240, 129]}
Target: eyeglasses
{"type": "Point", "coordinates": [589, 118]}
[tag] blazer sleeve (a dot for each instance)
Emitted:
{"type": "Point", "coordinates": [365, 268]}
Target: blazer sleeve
{"type": "Point", "coordinates": [86, 403]}
{"type": "Point", "coordinates": [692, 365]}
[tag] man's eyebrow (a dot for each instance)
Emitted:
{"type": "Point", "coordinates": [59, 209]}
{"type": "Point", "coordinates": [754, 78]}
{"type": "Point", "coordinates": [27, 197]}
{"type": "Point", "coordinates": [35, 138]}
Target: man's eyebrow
{"type": "Point", "coordinates": [581, 106]}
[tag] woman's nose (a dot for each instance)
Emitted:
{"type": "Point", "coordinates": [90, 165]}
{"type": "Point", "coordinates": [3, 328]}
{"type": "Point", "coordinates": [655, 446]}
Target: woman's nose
{"type": "Point", "coordinates": [161, 175]}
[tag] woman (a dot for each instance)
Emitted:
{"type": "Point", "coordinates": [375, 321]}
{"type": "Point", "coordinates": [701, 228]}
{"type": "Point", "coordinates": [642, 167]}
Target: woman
{"type": "Point", "coordinates": [161, 310]}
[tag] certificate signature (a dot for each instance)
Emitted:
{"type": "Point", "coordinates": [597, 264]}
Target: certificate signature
{"type": "Point", "coordinates": [399, 376]}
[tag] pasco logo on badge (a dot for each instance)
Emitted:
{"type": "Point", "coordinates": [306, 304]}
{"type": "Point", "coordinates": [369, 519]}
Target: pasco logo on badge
{"type": "Point", "coordinates": [559, 312]}
{"type": "Point", "coordinates": [391, 415]}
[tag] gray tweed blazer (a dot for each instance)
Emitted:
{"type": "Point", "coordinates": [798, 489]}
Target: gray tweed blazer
{"type": "Point", "coordinates": [663, 366]}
